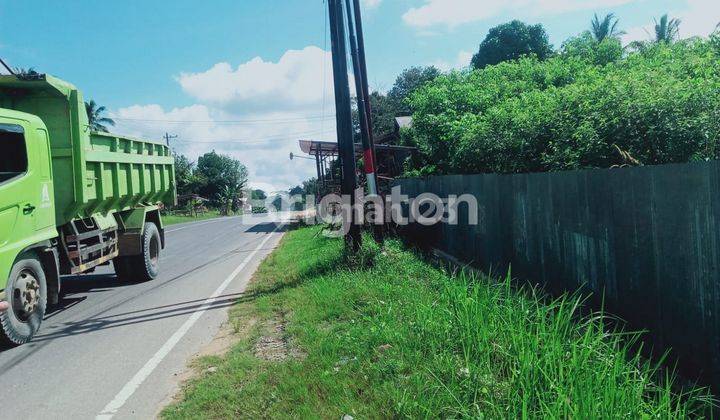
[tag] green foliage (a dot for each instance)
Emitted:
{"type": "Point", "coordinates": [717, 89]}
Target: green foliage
{"type": "Point", "coordinates": [658, 106]}
{"type": "Point", "coordinates": [511, 41]}
{"type": "Point", "coordinates": [309, 188]}
{"type": "Point", "coordinates": [383, 114]}
{"type": "Point", "coordinates": [386, 107]}
{"type": "Point", "coordinates": [408, 82]}
{"type": "Point", "coordinates": [188, 180]}
{"type": "Point", "coordinates": [667, 30]}
{"type": "Point", "coordinates": [224, 178]}
{"type": "Point", "coordinates": [258, 195]}
{"type": "Point", "coordinates": [95, 117]}
{"type": "Point", "coordinates": [587, 48]}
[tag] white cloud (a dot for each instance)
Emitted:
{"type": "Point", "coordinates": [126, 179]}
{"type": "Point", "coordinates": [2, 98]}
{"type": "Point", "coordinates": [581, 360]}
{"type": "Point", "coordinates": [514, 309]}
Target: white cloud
{"type": "Point", "coordinates": [457, 12]}
{"type": "Point", "coordinates": [698, 18]}
{"type": "Point", "coordinates": [462, 61]}
{"type": "Point", "coordinates": [294, 82]}
{"type": "Point", "coordinates": [256, 113]}
{"type": "Point", "coordinates": [638, 33]}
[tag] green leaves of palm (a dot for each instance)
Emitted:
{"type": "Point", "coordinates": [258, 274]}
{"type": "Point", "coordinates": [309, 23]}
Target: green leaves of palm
{"type": "Point", "coordinates": [605, 28]}
{"type": "Point", "coordinates": [95, 119]}
{"type": "Point", "coordinates": [667, 30]}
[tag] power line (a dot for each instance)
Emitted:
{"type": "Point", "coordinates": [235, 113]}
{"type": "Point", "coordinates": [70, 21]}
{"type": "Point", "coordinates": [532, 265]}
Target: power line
{"type": "Point", "coordinates": [248, 121]}
{"type": "Point", "coordinates": [280, 137]}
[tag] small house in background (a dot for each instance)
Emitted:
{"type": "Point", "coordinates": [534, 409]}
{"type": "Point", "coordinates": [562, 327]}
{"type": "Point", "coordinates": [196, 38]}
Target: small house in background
{"type": "Point", "coordinates": [394, 137]}
{"type": "Point", "coordinates": [191, 204]}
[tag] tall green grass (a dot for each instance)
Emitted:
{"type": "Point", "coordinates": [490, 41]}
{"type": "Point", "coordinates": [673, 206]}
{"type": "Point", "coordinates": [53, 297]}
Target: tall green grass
{"type": "Point", "coordinates": [388, 335]}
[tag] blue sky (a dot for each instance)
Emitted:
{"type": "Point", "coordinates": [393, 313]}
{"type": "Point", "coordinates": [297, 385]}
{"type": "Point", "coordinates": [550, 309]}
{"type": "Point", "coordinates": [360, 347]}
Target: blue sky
{"type": "Point", "coordinates": [250, 62]}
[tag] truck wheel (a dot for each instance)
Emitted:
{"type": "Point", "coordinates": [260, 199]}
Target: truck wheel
{"type": "Point", "coordinates": [26, 294]}
{"type": "Point", "coordinates": [143, 267]}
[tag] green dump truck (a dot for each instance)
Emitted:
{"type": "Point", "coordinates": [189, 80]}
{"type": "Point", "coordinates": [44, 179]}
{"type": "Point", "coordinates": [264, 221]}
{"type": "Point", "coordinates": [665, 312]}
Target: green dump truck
{"type": "Point", "coordinates": [70, 199]}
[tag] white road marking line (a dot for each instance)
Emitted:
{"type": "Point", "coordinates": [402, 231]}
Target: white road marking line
{"type": "Point", "coordinates": [129, 389]}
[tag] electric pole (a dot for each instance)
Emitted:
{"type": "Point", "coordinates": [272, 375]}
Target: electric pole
{"type": "Point", "coordinates": [363, 110]}
{"type": "Point", "coordinates": [168, 137]}
{"type": "Point", "coordinates": [343, 116]}
{"type": "Point", "coordinates": [363, 72]}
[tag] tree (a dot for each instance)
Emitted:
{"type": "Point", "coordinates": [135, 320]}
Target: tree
{"type": "Point", "coordinates": [383, 114]}
{"type": "Point", "coordinates": [605, 28]}
{"type": "Point", "coordinates": [566, 113]}
{"type": "Point", "coordinates": [258, 195]}
{"type": "Point", "coordinates": [277, 203]}
{"type": "Point", "coordinates": [95, 119]}
{"type": "Point", "coordinates": [187, 178]}
{"type": "Point", "coordinates": [667, 30]}
{"type": "Point", "coordinates": [585, 47]}
{"type": "Point", "coordinates": [386, 107]}
{"type": "Point", "coordinates": [184, 176]}
{"type": "Point", "coordinates": [511, 41]}
{"type": "Point", "coordinates": [408, 82]}
{"type": "Point", "coordinates": [297, 192]}
{"type": "Point", "coordinates": [221, 172]}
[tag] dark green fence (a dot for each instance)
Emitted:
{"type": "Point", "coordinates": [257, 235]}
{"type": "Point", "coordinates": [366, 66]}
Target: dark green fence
{"type": "Point", "coordinates": [647, 239]}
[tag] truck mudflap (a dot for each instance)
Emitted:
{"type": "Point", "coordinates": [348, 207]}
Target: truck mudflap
{"type": "Point", "coordinates": [132, 224]}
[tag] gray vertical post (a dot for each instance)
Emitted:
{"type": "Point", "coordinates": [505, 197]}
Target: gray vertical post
{"type": "Point", "coordinates": [364, 116]}
{"type": "Point", "coordinates": [343, 115]}
{"type": "Point", "coordinates": [320, 180]}
{"type": "Point", "coordinates": [363, 73]}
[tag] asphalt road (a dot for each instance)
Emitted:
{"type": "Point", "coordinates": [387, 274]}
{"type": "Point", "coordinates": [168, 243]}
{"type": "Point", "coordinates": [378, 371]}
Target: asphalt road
{"type": "Point", "coordinates": [115, 350]}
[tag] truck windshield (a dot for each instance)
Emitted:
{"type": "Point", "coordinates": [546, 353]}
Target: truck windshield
{"type": "Point", "coordinates": [13, 153]}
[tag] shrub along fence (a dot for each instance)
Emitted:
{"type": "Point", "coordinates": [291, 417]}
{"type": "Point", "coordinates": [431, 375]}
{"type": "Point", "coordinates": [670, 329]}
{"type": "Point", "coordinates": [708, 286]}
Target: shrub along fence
{"type": "Point", "coordinates": [645, 240]}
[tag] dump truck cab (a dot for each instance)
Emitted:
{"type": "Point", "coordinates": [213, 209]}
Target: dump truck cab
{"type": "Point", "coordinates": [27, 213]}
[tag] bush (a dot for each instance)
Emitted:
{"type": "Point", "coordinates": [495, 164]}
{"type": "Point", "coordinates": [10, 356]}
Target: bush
{"type": "Point", "coordinates": [576, 110]}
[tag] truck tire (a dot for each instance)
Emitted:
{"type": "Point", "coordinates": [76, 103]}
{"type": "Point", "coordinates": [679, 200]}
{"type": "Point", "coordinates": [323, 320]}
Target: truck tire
{"type": "Point", "coordinates": [143, 267]}
{"type": "Point", "coordinates": [26, 293]}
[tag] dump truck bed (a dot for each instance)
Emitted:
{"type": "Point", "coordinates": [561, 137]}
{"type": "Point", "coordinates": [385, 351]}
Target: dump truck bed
{"type": "Point", "coordinates": [92, 172]}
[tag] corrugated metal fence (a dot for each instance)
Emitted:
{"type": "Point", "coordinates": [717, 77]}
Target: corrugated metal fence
{"type": "Point", "coordinates": [647, 238]}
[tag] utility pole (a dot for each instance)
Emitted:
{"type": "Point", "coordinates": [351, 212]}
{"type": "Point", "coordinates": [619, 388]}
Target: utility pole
{"type": "Point", "coordinates": [364, 113]}
{"type": "Point", "coordinates": [363, 73]}
{"type": "Point", "coordinates": [343, 115]}
{"type": "Point", "coordinates": [168, 137]}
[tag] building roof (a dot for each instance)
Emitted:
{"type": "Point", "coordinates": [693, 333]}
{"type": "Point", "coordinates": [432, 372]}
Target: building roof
{"type": "Point", "coordinates": [404, 122]}
{"type": "Point", "coordinates": [328, 148]}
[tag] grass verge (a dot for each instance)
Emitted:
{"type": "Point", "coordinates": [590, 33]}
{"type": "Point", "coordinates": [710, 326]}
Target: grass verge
{"type": "Point", "coordinates": [385, 334]}
{"type": "Point", "coordinates": [173, 219]}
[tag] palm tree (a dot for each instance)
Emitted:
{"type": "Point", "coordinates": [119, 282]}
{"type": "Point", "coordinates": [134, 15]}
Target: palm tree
{"type": "Point", "coordinates": [605, 28]}
{"type": "Point", "coordinates": [95, 119]}
{"type": "Point", "coordinates": [667, 30]}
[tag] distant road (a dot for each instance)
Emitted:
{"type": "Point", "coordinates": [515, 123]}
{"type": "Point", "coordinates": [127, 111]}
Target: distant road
{"type": "Point", "coordinates": [112, 349]}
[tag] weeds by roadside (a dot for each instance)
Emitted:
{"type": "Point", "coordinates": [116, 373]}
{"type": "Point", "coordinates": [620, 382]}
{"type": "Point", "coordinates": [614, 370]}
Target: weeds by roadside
{"type": "Point", "coordinates": [392, 336]}
{"type": "Point", "coordinates": [173, 219]}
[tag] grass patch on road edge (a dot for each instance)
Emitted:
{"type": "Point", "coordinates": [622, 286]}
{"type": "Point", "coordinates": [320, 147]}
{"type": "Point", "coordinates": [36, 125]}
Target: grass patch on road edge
{"type": "Point", "coordinates": [174, 219]}
{"type": "Point", "coordinates": [385, 334]}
